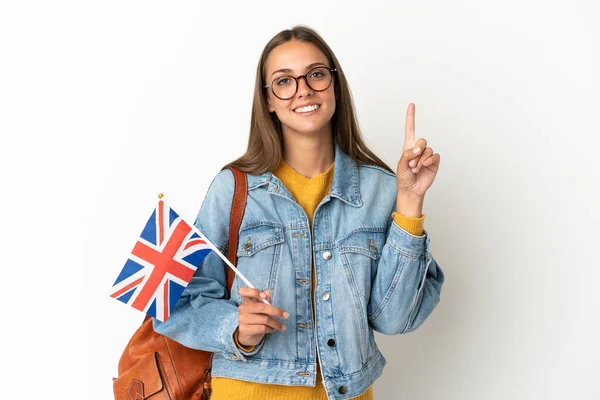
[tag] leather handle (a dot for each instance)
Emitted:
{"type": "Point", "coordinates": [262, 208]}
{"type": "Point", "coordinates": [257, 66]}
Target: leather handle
{"type": "Point", "coordinates": [238, 206]}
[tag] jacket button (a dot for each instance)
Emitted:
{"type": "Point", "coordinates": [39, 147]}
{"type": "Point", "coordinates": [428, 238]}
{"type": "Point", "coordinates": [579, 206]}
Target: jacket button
{"type": "Point", "coordinates": [342, 390]}
{"type": "Point", "coordinates": [327, 255]}
{"type": "Point", "coordinates": [331, 343]}
{"type": "Point", "coordinates": [325, 296]}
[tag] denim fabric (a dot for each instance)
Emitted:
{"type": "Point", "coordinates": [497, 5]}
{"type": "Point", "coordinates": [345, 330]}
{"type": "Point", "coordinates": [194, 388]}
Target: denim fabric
{"type": "Point", "coordinates": [371, 275]}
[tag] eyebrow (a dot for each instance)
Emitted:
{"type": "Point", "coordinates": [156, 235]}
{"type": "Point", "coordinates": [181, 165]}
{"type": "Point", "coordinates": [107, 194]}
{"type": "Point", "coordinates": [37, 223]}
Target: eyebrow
{"type": "Point", "coordinates": [287, 70]}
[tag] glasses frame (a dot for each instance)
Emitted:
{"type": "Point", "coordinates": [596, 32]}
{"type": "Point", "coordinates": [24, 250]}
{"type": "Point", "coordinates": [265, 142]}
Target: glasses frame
{"type": "Point", "coordinates": [296, 78]}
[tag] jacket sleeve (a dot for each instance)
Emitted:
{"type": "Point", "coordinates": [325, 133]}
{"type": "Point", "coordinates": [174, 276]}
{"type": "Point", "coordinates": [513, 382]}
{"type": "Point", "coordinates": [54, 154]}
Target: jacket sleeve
{"type": "Point", "coordinates": [204, 318]}
{"type": "Point", "coordinates": [407, 285]}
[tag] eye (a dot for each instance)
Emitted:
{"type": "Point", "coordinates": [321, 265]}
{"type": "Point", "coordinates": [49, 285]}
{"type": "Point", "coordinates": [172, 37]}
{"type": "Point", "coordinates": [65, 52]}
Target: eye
{"type": "Point", "coordinates": [319, 74]}
{"type": "Point", "coordinates": [284, 81]}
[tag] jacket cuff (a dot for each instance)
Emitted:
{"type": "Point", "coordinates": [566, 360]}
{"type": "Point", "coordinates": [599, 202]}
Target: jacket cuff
{"type": "Point", "coordinates": [407, 243]}
{"type": "Point", "coordinates": [226, 333]}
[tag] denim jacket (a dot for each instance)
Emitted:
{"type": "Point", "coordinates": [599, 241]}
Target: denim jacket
{"type": "Point", "coordinates": [371, 275]}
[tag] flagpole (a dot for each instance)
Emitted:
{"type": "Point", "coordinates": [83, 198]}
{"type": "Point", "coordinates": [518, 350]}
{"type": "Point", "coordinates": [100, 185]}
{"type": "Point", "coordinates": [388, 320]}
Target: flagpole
{"type": "Point", "coordinates": [225, 259]}
{"type": "Point", "coordinates": [237, 271]}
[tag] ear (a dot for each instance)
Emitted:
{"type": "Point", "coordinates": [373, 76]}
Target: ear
{"type": "Point", "coordinates": [269, 106]}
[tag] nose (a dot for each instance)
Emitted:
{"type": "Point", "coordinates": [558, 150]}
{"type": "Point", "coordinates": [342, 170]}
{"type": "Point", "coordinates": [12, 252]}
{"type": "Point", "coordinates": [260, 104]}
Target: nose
{"type": "Point", "coordinates": [303, 88]}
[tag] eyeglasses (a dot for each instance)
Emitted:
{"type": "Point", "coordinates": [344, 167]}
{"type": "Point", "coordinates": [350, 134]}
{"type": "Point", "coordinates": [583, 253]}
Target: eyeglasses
{"type": "Point", "coordinates": [318, 79]}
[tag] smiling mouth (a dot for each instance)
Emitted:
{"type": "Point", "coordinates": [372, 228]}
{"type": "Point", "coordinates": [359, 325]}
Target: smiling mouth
{"type": "Point", "coordinates": [307, 109]}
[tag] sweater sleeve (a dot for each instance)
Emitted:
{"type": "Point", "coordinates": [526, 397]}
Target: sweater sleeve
{"type": "Point", "coordinates": [414, 226]}
{"type": "Point", "coordinates": [240, 346]}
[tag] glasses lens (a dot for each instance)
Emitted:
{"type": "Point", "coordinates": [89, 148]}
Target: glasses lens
{"type": "Point", "coordinates": [284, 87]}
{"type": "Point", "coordinates": [319, 78]}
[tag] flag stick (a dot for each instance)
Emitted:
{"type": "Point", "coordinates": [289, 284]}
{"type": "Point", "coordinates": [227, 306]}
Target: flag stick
{"type": "Point", "coordinates": [237, 271]}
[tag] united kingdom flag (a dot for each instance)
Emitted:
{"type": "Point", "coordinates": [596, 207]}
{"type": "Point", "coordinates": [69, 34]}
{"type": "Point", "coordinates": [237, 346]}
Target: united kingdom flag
{"type": "Point", "coordinates": [161, 264]}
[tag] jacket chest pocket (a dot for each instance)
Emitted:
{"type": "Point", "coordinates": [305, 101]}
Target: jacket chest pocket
{"type": "Point", "coordinates": [360, 252]}
{"type": "Point", "coordinates": [258, 254]}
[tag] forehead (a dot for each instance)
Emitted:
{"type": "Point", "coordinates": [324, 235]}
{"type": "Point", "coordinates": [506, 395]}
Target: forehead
{"type": "Point", "coordinates": [294, 55]}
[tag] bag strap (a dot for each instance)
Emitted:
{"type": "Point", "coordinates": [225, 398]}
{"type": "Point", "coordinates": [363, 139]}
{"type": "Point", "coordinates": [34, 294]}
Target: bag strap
{"type": "Point", "coordinates": [238, 206]}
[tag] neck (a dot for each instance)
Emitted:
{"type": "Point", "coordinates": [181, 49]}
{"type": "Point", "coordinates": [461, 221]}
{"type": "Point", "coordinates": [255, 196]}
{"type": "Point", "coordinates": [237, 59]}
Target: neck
{"type": "Point", "coordinates": [309, 155]}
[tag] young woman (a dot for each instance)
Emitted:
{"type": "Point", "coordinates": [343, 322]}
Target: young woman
{"type": "Point", "coordinates": [332, 237]}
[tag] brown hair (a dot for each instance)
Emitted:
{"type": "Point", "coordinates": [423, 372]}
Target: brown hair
{"type": "Point", "coordinates": [265, 143]}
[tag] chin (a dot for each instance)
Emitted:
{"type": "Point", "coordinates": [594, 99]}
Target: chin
{"type": "Point", "coordinates": [308, 129]}
{"type": "Point", "coordinates": [309, 126]}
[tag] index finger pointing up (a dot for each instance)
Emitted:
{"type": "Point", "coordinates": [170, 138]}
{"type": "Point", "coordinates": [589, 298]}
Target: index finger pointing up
{"type": "Point", "coordinates": [409, 127]}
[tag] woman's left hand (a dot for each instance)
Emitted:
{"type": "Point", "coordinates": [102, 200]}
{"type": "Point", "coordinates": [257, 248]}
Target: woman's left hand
{"type": "Point", "coordinates": [416, 170]}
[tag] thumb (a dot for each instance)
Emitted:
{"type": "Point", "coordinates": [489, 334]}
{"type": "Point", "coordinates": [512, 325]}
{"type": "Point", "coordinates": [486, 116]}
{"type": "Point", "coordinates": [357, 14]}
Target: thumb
{"type": "Point", "coordinates": [268, 293]}
{"type": "Point", "coordinates": [407, 156]}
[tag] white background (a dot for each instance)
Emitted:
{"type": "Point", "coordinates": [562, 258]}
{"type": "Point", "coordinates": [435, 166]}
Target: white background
{"type": "Point", "coordinates": [105, 104]}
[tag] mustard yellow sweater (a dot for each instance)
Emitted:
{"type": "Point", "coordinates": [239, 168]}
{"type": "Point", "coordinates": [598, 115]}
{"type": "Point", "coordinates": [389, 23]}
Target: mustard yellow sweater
{"type": "Point", "coordinates": [308, 193]}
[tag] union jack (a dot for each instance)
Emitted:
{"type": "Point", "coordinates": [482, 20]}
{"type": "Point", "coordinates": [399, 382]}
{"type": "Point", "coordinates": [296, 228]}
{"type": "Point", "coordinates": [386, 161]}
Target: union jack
{"type": "Point", "coordinates": [161, 264]}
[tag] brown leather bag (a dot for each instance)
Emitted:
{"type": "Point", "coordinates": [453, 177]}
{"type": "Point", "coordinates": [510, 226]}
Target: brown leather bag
{"type": "Point", "coordinates": [155, 367]}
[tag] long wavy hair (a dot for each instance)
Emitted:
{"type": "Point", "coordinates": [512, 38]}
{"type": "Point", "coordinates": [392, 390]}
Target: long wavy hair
{"type": "Point", "coordinates": [265, 143]}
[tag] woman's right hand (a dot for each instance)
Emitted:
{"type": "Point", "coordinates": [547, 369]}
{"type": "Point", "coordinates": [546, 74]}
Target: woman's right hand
{"type": "Point", "coordinates": [256, 318]}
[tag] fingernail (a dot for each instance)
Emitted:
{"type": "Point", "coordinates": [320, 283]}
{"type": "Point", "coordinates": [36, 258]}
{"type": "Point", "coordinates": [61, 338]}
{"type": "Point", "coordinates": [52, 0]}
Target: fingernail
{"type": "Point", "coordinates": [414, 170]}
{"type": "Point", "coordinates": [412, 163]}
{"type": "Point", "coordinates": [416, 150]}
{"type": "Point", "coordinates": [262, 295]}
{"type": "Point", "coordinates": [284, 328]}
{"type": "Point", "coordinates": [285, 315]}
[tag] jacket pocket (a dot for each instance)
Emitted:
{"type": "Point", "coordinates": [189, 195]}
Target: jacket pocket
{"type": "Point", "coordinates": [258, 253]}
{"type": "Point", "coordinates": [360, 252]}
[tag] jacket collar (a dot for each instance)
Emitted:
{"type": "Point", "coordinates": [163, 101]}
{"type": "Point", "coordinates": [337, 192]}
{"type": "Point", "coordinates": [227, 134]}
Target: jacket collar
{"type": "Point", "coordinates": [345, 185]}
{"type": "Point", "coordinates": [345, 179]}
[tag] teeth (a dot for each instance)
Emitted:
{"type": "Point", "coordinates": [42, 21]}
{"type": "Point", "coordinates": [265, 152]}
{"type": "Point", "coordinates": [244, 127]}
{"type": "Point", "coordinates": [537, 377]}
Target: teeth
{"type": "Point", "coordinates": [307, 108]}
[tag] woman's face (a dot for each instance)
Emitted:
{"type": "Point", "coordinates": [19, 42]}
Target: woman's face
{"type": "Point", "coordinates": [297, 114]}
